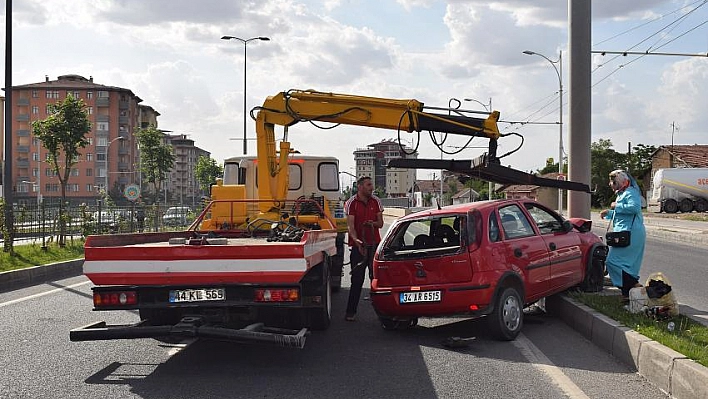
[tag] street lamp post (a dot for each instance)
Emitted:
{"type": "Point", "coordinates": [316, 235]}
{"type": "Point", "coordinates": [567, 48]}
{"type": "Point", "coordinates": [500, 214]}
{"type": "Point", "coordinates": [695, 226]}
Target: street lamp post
{"type": "Point", "coordinates": [559, 72]}
{"type": "Point", "coordinates": [488, 109]}
{"type": "Point", "coordinates": [108, 168]}
{"type": "Point", "coordinates": [245, 43]}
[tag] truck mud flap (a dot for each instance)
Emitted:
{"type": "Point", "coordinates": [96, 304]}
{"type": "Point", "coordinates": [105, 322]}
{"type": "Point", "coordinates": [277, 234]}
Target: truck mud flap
{"type": "Point", "coordinates": [192, 327]}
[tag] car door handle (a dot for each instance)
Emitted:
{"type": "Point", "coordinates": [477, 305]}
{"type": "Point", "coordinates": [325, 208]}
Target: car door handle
{"type": "Point", "coordinates": [517, 252]}
{"type": "Point", "coordinates": [552, 246]}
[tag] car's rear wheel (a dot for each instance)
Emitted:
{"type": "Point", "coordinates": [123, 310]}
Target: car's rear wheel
{"type": "Point", "coordinates": [508, 317]}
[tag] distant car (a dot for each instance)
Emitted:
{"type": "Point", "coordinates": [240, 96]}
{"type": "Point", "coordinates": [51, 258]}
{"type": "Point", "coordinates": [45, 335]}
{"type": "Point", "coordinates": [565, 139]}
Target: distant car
{"type": "Point", "coordinates": [176, 216]}
{"type": "Point", "coordinates": [489, 258]}
{"type": "Point", "coordinates": [110, 219]}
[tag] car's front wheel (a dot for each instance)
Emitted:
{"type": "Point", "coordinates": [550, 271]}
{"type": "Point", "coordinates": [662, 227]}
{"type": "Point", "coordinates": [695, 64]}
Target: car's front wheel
{"type": "Point", "coordinates": [508, 316]}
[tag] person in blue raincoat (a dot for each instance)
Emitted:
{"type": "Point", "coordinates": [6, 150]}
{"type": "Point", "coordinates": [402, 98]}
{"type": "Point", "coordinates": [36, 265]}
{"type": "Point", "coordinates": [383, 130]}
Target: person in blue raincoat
{"type": "Point", "coordinates": [623, 263]}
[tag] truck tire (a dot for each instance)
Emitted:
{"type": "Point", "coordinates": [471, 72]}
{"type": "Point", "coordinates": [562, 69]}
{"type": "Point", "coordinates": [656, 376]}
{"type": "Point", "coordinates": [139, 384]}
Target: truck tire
{"type": "Point", "coordinates": [321, 317]}
{"type": "Point", "coordinates": [507, 318]}
{"type": "Point", "coordinates": [701, 205]}
{"type": "Point", "coordinates": [670, 206]}
{"type": "Point", "coordinates": [686, 205]}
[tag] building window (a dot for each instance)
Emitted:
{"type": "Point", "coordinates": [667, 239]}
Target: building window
{"type": "Point", "coordinates": [89, 188]}
{"type": "Point", "coordinates": [102, 141]}
{"type": "Point", "coordinates": [101, 156]}
{"type": "Point", "coordinates": [73, 187]}
{"type": "Point", "coordinates": [23, 188]}
{"type": "Point", "coordinates": [35, 94]}
{"type": "Point", "coordinates": [75, 172]}
{"type": "Point", "coordinates": [101, 172]}
{"type": "Point", "coordinates": [35, 142]}
{"type": "Point", "coordinates": [52, 93]}
{"type": "Point", "coordinates": [89, 140]}
{"type": "Point", "coordinates": [35, 156]}
{"type": "Point", "coordinates": [89, 157]}
{"type": "Point", "coordinates": [75, 94]}
{"type": "Point", "coordinates": [103, 94]}
{"type": "Point", "coordinates": [101, 126]}
{"type": "Point", "coordinates": [35, 109]}
{"type": "Point", "coordinates": [89, 110]}
{"type": "Point", "coordinates": [35, 172]}
{"type": "Point", "coordinates": [48, 110]}
{"type": "Point", "coordinates": [89, 95]}
{"type": "Point", "coordinates": [89, 172]}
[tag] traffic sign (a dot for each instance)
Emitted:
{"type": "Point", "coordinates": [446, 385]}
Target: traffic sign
{"type": "Point", "coordinates": [132, 192]}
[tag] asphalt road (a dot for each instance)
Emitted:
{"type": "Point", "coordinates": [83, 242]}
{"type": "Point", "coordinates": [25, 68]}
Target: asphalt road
{"type": "Point", "coordinates": [350, 360]}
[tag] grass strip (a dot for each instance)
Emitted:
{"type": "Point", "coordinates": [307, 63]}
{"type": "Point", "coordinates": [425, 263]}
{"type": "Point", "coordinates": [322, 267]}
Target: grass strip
{"type": "Point", "coordinates": [688, 337]}
{"type": "Point", "coordinates": [29, 255]}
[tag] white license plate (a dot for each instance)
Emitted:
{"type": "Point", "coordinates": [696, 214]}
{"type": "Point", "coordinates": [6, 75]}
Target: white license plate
{"type": "Point", "coordinates": [420, 296]}
{"type": "Point", "coordinates": [198, 295]}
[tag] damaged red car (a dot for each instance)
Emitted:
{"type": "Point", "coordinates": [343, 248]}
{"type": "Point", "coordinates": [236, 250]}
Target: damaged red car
{"type": "Point", "coordinates": [489, 258]}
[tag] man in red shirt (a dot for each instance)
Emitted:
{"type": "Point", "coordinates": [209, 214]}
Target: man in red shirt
{"type": "Point", "coordinates": [364, 219]}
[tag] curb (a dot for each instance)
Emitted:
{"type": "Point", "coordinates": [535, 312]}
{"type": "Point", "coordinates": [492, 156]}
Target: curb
{"type": "Point", "coordinates": [672, 372]}
{"type": "Point", "coordinates": [14, 279]}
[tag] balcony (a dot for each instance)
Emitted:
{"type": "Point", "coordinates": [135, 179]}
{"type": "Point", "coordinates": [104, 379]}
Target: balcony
{"type": "Point", "coordinates": [123, 150]}
{"type": "Point", "coordinates": [123, 180]}
{"type": "Point", "coordinates": [123, 104]}
{"type": "Point", "coordinates": [23, 118]}
{"type": "Point", "coordinates": [23, 102]}
{"type": "Point", "coordinates": [102, 118]}
{"type": "Point", "coordinates": [103, 102]}
{"type": "Point", "coordinates": [23, 133]}
{"type": "Point", "coordinates": [22, 163]}
{"type": "Point", "coordinates": [123, 166]}
{"type": "Point", "coordinates": [22, 148]}
{"type": "Point", "coordinates": [123, 120]}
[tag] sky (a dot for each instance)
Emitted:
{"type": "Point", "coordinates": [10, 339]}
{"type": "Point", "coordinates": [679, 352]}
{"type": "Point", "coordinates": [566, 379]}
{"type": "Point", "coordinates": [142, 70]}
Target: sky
{"type": "Point", "coordinates": [169, 53]}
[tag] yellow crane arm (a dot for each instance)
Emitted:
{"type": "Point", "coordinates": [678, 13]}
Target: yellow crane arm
{"type": "Point", "coordinates": [293, 106]}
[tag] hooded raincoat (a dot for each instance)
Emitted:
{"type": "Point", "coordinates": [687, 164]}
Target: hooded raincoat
{"type": "Point", "coordinates": [627, 216]}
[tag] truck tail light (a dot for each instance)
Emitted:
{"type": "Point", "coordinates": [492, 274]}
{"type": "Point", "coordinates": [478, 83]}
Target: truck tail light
{"type": "Point", "coordinates": [114, 298]}
{"type": "Point", "coordinates": [276, 295]}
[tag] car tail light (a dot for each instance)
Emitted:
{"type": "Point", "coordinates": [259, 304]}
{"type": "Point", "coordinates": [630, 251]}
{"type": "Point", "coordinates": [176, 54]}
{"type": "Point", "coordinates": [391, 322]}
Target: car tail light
{"type": "Point", "coordinates": [474, 307]}
{"type": "Point", "coordinates": [114, 298]}
{"type": "Point", "coordinates": [276, 295]}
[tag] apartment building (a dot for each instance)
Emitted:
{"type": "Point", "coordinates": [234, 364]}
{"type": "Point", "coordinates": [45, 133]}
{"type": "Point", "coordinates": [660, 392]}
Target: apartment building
{"type": "Point", "coordinates": [108, 162]}
{"type": "Point", "coordinates": [182, 185]}
{"type": "Point", "coordinates": [372, 160]}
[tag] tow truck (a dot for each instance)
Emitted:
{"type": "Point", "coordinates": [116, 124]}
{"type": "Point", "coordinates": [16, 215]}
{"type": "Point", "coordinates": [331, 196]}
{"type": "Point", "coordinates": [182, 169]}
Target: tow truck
{"type": "Point", "coordinates": [256, 269]}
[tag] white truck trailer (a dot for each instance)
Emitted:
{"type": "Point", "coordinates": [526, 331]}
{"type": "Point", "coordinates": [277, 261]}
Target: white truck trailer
{"type": "Point", "coordinates": [679, 189]}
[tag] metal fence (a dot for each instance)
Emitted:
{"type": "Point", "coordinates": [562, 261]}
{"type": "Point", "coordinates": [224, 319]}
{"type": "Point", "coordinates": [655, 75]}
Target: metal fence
{"type": "Point", "coordinates": [33, 221]}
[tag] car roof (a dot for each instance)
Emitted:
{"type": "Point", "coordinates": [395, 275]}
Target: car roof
{"type": "Point", "coordinates": [482, 206]}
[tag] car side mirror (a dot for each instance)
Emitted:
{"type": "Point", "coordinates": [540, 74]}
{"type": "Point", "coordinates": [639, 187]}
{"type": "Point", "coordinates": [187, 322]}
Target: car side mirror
{"type": "Point", "coordinates": [567, 226]}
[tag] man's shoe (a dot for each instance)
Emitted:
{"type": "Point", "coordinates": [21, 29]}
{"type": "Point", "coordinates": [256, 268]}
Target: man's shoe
{"type": "Point", "coordinates": [350, 317]}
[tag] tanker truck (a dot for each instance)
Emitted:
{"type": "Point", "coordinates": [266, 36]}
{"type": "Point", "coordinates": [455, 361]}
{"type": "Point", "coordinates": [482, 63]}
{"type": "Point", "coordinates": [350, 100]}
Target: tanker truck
{"type": "Point", "coordinates": [679, 189]}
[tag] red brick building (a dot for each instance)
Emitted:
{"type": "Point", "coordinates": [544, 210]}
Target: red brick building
{"type": "Point", "coordinates": [108, 160]}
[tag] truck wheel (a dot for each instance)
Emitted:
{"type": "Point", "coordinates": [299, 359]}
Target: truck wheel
{"type": "Point", "coordinates": [320, 318]}
{"type": "Point", "coordinates": [701, 205]}
{"type": "Point", "coordinates": [686, 205]}
{"type": "Point", "coordinates": [508, 316]}
{"type": "Point", "coordinates": [670, 206]}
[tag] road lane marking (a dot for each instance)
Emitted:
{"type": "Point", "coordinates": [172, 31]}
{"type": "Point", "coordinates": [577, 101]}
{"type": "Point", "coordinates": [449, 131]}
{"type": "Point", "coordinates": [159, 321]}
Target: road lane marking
{"type": "Point", "coordinates": [178, 347]}
{"type": "Point", "coordinates": [41, 294]}
{"type": "Point", "coordinates": [544, 364]}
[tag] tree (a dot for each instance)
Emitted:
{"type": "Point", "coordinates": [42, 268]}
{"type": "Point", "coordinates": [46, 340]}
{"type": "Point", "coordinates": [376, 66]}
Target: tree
{"type": "Point", "coordinates": [640, 163]}
{"type": "Point", "coordinates": [207, 171]}
{"type": "Point", "coordinates": [156, 158]}
{"type": "Point", "coordinates": [604, 161]}
{"type": "Point", "coordinates": [63, 134]}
